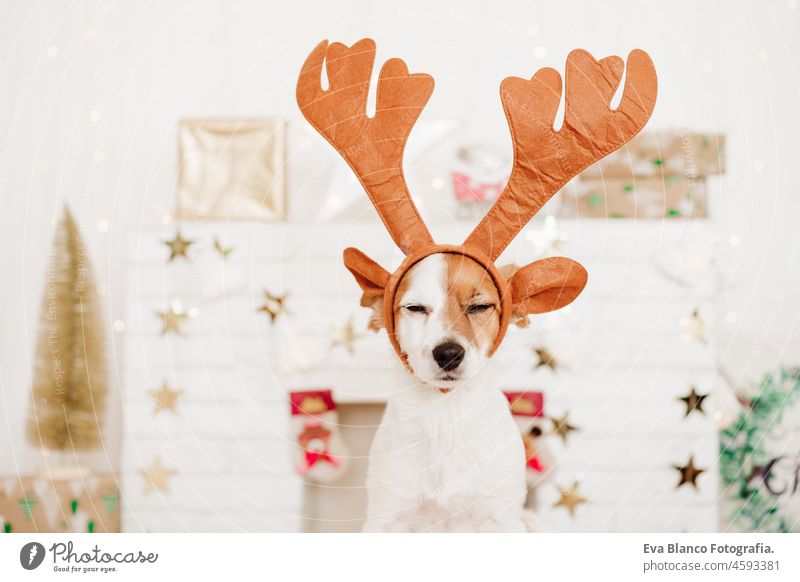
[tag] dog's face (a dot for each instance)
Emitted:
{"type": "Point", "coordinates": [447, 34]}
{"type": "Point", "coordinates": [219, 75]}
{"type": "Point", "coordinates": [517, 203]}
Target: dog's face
{"type": "Point", "coordinates": [447, 317]}
{"type": "Point", "coordinates": [446, 308]}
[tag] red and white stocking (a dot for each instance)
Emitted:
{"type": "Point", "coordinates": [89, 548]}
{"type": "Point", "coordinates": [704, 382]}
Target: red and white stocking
{"type": "Point", "coordinates": [527, 408]}
{"type": "Point", "coordinates": [320, 453]}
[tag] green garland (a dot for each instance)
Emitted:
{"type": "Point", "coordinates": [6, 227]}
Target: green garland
{"type": "Point", "coordinates": [742, 449]}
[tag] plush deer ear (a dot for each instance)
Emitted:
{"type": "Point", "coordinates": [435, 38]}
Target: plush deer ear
{"type": "Point", "coordinates": [547, 285]}
{"type": "Point", "coordinates": [370, 276]}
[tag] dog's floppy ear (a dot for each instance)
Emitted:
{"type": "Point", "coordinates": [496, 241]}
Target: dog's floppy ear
{"type": "Point", "coordinates": [547, 285]}
{"type": "Point", "coordinates": [372, 278]}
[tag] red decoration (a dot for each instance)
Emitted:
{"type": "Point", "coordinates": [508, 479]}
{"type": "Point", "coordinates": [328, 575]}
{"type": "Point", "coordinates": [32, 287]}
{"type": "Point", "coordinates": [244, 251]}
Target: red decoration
{"type": "Point", "coordinates": [526, 403]}
{"type": "Point", "coordinates": [533, 463]}
{"type": "Point", "coordinates": [311, 402]}
{"type": "Point", "coordinates": [468, 190]}
{"type": "Point", "coordinates": [314, 441]}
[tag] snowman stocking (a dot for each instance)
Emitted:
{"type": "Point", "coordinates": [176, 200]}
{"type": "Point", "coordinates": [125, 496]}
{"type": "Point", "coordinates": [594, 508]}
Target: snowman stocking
{"type": "Point", "coordinates": [320, 453]}
{"type": "Point", "coordinates": [527, 408]}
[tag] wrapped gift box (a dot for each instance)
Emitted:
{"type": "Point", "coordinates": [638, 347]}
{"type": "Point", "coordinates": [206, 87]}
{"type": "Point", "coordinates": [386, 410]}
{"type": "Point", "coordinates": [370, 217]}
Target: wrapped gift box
{"type": "Point", "coordinates": [657, 174]}
{"type": "Point", "coordinates": [41, 504]}
{"type": "Point", "coordinates": [663, 153]}
{"type": "Point", "coordinates": [232, 169]}
{"type": "Point", "coordinates": [665, 196]}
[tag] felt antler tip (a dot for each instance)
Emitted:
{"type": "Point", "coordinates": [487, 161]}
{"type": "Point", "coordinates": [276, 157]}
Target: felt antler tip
{"type": "Point", "coordinates": [639, 54]}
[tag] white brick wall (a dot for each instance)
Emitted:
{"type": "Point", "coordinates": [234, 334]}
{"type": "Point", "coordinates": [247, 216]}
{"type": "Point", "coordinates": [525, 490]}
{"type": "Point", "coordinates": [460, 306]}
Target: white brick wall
{"type": "Point", "coordinates": [625, 363]}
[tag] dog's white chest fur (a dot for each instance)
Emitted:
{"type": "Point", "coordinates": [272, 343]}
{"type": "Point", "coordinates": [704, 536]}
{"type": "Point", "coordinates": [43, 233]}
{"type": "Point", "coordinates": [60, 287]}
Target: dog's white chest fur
{"type": "Point", "coordinates": [452, 462]}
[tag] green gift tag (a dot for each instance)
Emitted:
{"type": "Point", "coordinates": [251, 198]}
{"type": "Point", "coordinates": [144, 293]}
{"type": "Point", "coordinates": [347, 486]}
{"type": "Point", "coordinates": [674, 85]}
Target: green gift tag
{"type": "Point", "coordinates": [658, 162]}
{"type": "Point", "coordinates": [673, 212]}
{"type": "Point", "coordinates": [7, 528]}
{"type": "Point", "coordinates": [73, 505]}
{"type": "Point", "coordinates": [594, 200]}
{"type": "Point", "coordinates": [27, 504]}
{"type": "Point", "coordinates": [90, 526]}
{"type": "Point", "coordinates": [628, 188]}
{"type": "Point", "coordinates": [110, 501]}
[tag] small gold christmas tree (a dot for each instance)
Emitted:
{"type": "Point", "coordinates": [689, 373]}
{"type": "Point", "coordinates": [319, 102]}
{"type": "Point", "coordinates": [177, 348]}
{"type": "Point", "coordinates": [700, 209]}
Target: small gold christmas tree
{"type": "Point", "coordinates": [70, 378]}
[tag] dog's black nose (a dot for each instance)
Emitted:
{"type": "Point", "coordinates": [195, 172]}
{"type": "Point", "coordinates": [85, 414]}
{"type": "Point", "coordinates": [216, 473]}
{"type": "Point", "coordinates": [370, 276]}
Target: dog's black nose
{"type": "Point", "coordinates": [448, 355]}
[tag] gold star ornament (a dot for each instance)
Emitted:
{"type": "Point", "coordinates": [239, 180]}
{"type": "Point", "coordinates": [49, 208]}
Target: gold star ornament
{"type": "Point", "coordinates": [693, 401]}
{"type": "Point", "coordinates": [546, 359]}
{"type": "Point", "coordinates": [172, 320]}
{"type": "Point", "coordinates": [222, 250]}
{"type": "Point", "coordinates": [165, 398]}
{"type": "Point", "coordinates": [178, 247]}
{"type": "Point", "coordinates": [274, 305]}
{"type": "Point", "coordinates": [345, 336]}
{"type": "Point", "coordinates": [570, 498]}
{"type": "Point", "coordinates": [689, 473]}
{"type": "Point", "coordinates": [562, 427]}
{"type": "Point", "coordinates": [549, 239]}
{"type": "Point", "coordinates": [156, 477]}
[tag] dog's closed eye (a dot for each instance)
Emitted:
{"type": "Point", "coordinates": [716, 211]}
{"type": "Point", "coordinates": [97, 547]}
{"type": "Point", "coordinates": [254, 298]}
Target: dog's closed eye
{"type": "Point", "coordinates": [479, 308]}
{"type": "Point", "coordinates": [416, 308]}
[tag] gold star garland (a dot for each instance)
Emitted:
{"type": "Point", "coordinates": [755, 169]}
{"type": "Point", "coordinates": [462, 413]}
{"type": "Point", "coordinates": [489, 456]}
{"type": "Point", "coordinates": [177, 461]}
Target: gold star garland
{"type": "Point", "coordinates": [172, 320]}
{"type": "Point", "coordinates": [693, 401]}
{"type": "Point", "coordinates": [546, 359]}
{"type": "Point", "coordinates": [221, 250]}
{"type": "Point", "coordinates": [165, 398]}
{"type": "Point", "coordinates": [562, 427]}
{"type": "Point", "coordinates": [345, 336]}
{"type": "Point", "coordinates": [274, 305]}
{"type": "Point", "coordinates": [156, 477]}
{"type": "Point", "coordinates": [178, 247]}
{"type": "Point", "coordinates": [570, 498]}
{"type": "Point", "coordinates": [689, 473]}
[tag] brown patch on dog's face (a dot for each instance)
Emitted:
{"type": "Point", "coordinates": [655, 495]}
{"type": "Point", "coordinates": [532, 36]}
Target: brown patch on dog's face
{"type": "Point", "coordinates": [472, 301]}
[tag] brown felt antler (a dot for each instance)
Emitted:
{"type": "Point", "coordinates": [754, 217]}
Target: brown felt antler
{"type": "Point", "coordinates": [372, 146]}
{"type": "Point", "coordinates": [546, 159]}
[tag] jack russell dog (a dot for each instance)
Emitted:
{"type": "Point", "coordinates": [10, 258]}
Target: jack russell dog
{"type": "Point", "coordinates": [448, 455]}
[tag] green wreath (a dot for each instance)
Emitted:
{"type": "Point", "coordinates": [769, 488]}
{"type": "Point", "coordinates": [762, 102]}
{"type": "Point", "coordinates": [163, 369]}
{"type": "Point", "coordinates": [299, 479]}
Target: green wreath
{"type": "Point", "coordinates": [742, 451]}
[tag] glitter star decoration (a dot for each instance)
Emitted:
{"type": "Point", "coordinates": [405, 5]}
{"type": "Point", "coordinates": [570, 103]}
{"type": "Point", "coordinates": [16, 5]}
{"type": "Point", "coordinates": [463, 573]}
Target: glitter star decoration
{"type": "Point", "coordinates": [549, 240]}
{"type": "Point", "coordinates": [694, 328]}
{"type": "Point", "coordinates": [546, 359]}
{"type": "Point", "coordinates": [172, 320]}
{"type": "Point", "coordinates": [345, 336]}
{"type": "Point", "coordinates": [165, 397]}
{"type": "Point", "coordinates": [693, 401]}
{"type": "Point", "coordinates": [178, 247]}
{"type": "Point", "coordinates": [222, 250]}
{"type": "Point", "coordinates": [274, 305]}
{"type": "Point", "coordinates": [689, 473]}
{"type": "Point", "coordinates": [156, 477]}
{"type": "Point", "coordinates": [570, 498]}
{"type": "Point", "coordinates": [562, 427]}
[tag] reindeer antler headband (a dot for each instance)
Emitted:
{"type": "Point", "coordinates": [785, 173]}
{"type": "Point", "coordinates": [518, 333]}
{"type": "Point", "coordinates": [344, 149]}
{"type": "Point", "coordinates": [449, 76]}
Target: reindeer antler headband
{"type": "Point", "coordinates": [544, 159]}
